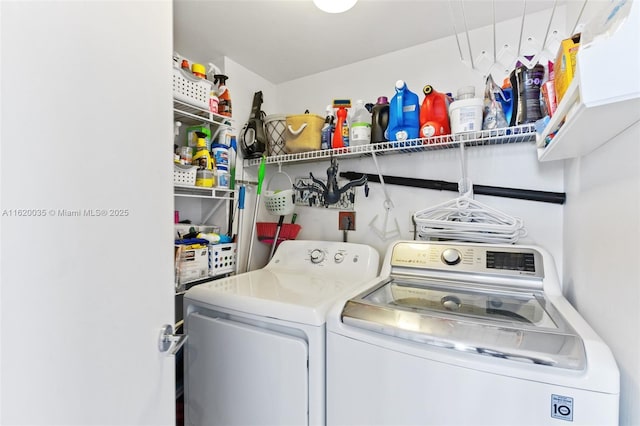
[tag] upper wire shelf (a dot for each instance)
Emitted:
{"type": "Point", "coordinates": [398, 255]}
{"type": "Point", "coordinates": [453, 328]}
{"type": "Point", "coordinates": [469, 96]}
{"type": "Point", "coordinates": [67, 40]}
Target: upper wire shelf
{"type": "Point", "coordinates": [191, 115]}
{"type": "Point", "coordinates": [507, 135]}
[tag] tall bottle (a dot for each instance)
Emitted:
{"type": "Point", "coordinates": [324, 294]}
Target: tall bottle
{"type": "Point", "coordinates": [404, 114]}
{"type": "Point", "coordinates": [327, 129]}
{"type": "Point", "coordinates": [379, 120]}
{"type": "Point", "coordinates": [526, 84]}
{"type": "Point", "coordinates": [224, 97]}
{"type": "Point", "coordinates": [360, 125]}
{"type": "Point", "coordinates": [434, 116]}
{"type": "Point", "coordinates": [341, 133]}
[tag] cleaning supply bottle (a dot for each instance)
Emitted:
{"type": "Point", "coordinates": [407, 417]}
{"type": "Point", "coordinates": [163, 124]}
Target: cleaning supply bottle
{"type": "Point", "coordinates": [434, 116]}
{"type": "Point", "coordinates": [327, 129]}
{"type": "Point", "coordinates": [404, 114]}
{"type": "Point", "coordinates": [379, 120]}
{"type": "Point", "coordinates": [360, 125]}
{"type": "Point", "coordinates": [341, 132]}
{"type": "Point", "coordinates": [202, 157]}
{"type": "Point", "coordinates": [224, 97]}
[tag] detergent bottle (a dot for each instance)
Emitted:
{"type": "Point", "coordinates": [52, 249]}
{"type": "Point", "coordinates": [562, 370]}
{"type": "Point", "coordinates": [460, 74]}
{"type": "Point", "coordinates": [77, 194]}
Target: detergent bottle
{"type": "Point", "coordinates": [360, 125]}
{"type": "Point", "coordinates": [434, 118]}
{"type": "Point", "coordinates": [525, 84]}
{"type": "Point", "coordinates": [404, 114]}
{"type": "Point", "coordinates": [379, 120]}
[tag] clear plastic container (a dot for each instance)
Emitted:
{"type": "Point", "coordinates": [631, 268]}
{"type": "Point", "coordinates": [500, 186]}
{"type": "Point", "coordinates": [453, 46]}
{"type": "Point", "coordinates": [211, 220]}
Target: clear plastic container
{"type": "Point", "coordinates": [360, 125]}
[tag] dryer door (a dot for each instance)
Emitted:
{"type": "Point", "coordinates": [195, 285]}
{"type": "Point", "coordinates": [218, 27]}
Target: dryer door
{"type": "Point", "coordinates": [239, 374]}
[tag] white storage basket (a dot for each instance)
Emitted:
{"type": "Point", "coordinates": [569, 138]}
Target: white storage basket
{"type": "Point", "coordinates": [280, 202]}
{"type": "Point", "coordinates": [184, 175]}
{"type": "Point", "coordinates": [222, 259]}
{"type": "Point", "coordinates": [190, 89]}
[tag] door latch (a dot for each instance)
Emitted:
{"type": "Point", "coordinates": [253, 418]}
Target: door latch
{"type": "Point", "coordinates": [169, 341]}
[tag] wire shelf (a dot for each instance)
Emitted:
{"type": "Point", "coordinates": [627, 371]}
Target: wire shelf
{"type": "Point", "coordinates": [508, 135]}
{"type": "Point", "coordinates": [190, 114]}
{"type": "Point", "coordinates": [202, 192]}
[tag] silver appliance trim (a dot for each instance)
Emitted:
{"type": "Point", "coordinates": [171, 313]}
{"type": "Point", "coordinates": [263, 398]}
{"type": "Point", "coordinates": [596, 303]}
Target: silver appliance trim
{"type": "Point", "coordinates": [526, 326]}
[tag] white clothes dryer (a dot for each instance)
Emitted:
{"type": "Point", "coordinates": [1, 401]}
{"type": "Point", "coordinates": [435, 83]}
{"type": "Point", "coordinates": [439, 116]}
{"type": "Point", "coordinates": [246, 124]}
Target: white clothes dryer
{"type": "Point", "coordinates": [466, 334]}
{"type": "Point", "coordinates": [255, 353]}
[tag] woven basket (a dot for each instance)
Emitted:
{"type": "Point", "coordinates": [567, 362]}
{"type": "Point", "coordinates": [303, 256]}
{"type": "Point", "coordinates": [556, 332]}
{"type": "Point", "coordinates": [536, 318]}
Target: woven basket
{"type": "Point", "coordinates": [303, 133]}
{"type": "Point", "coordinates": [275, 126]}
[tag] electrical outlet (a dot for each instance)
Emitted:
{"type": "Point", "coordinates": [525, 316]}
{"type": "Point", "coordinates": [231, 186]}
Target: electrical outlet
{"type": "Point", "coordinates": [347, 221]}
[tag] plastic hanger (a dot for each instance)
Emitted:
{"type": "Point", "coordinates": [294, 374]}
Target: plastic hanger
{"type": "Point", "coordinates": [465, 219]}
{"type": "Point", "coordinates": [385, 234]}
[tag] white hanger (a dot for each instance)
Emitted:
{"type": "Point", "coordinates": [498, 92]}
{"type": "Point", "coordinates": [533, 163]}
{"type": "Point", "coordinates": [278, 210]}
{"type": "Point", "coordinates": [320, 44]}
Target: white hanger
{"type": "Point", "coordinates": [384, 234]}
{"type": "Point", "coordinates": [465, 219]}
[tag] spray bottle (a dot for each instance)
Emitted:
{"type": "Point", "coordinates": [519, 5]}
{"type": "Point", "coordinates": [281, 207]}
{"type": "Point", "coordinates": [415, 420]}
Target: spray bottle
{"type": "Point", "coordinates": [341, 133]}
{"type": "Point", "coordinates": [221, 99]}
{"type": "Point", "coordinates": [327, 129]}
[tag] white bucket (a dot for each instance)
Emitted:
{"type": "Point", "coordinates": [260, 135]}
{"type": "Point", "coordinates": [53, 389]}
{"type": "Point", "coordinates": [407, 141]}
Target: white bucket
{"type": "Point", "coordinates": [466, 115]}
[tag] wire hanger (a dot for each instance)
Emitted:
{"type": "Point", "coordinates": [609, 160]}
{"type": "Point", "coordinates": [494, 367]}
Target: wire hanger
{"type": "Point", "coordinates": [465, 219]}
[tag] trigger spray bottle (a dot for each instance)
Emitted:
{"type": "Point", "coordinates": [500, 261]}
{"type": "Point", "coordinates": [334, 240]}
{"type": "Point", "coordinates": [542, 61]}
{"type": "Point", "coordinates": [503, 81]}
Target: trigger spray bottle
{"type": "Point", "coordinates": [341, 133]}
{"type": "Point", "coordinates": [327, 129]}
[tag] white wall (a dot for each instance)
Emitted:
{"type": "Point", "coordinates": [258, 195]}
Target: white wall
{"type": "Point", "coordinates": [437, 63]}
{"type": "Point", "coordinates": [602, 268]}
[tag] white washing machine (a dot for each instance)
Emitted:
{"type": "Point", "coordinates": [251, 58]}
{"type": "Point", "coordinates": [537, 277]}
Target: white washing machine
{"type": "Point", "coordinates": [466, 334]}
{"type": "Point", "coordinates": [255, 354]}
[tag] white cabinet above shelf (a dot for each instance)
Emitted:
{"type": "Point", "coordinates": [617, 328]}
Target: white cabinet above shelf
{"type": "Point", "coordinates": [603, 100]}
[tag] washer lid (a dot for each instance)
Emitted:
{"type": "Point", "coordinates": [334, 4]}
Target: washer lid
{"type": "Point", "coordinates": [297, 297]}
{"type": "Point", "coordinates": [508, 324]}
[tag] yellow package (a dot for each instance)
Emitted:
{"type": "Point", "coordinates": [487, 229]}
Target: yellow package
{"type": "Point", "coordinates": [565, 65]}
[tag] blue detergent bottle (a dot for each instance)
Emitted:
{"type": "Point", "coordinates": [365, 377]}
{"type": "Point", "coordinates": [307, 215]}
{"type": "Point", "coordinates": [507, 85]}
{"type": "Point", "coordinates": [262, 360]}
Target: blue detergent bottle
{"type": "Point", "coordinates": [404, 114]}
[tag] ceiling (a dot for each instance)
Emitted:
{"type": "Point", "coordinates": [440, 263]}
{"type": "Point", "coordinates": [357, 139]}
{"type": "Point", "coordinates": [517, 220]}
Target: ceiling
{"type": "Point", "coordinates": [282, 40]}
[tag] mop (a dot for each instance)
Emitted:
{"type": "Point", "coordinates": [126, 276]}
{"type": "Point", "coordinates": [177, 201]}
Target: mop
{"type": "Point", "coordinates": [241, 192]}
{"type": "Point", "coordinates": [384, 234]}
{"type": "Point", "coordinates": [261, 170]}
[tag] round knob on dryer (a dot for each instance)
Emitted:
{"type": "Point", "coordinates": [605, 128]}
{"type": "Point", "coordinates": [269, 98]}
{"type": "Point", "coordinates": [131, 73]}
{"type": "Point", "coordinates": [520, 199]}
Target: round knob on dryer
{"type": "Point", "coordinates": [451, 256]}
{"type": "Point", "coordinates": [317, 256]}
{"type": "Point", "coordinates": [338, 257]}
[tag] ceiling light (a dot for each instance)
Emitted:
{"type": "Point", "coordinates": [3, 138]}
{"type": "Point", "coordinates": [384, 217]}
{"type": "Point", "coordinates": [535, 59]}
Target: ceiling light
{"type": "Point", "coordinates": [334, 6]}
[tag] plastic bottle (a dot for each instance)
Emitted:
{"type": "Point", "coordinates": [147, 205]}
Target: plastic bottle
{"type": "Point", "coordinates": [404, 114]}
{"type": "Point", "coordinates": [198, 70]}
{"type": "Point", "coordinates": [360, 125]}
{"type": "Point", "coordinates": [224, 97]}
{"type": "Point", "coordinates": [327, 129]}
{"type": "Point", "coordinates": [341, 132]}
{"type": "Point", "coordinates": [465, 113]}
{"type": "Point", "coordinates": [525, 84]}
{"type": "Point", "coordinates": [434, 115]}
{"type": "Point", "coordinates": [202, 157]}
{"type": "Point", "coordinates": [379, 120]}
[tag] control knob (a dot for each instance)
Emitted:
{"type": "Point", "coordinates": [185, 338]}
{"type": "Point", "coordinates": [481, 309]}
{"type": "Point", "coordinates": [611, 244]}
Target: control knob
{"type": "Point", "coordinates": [451, 256]}
{"type": "Point", "coordinates": [317, 256]}
{"type": "Point", "coordinates": [338, 257]}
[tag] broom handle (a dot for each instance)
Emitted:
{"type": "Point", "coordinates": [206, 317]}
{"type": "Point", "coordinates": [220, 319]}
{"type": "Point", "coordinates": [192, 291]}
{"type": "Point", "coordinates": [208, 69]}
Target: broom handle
{"type": "Point", "coordinates": [261, 170]}
{"type": "Point", "coordinates": [275, 238]}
